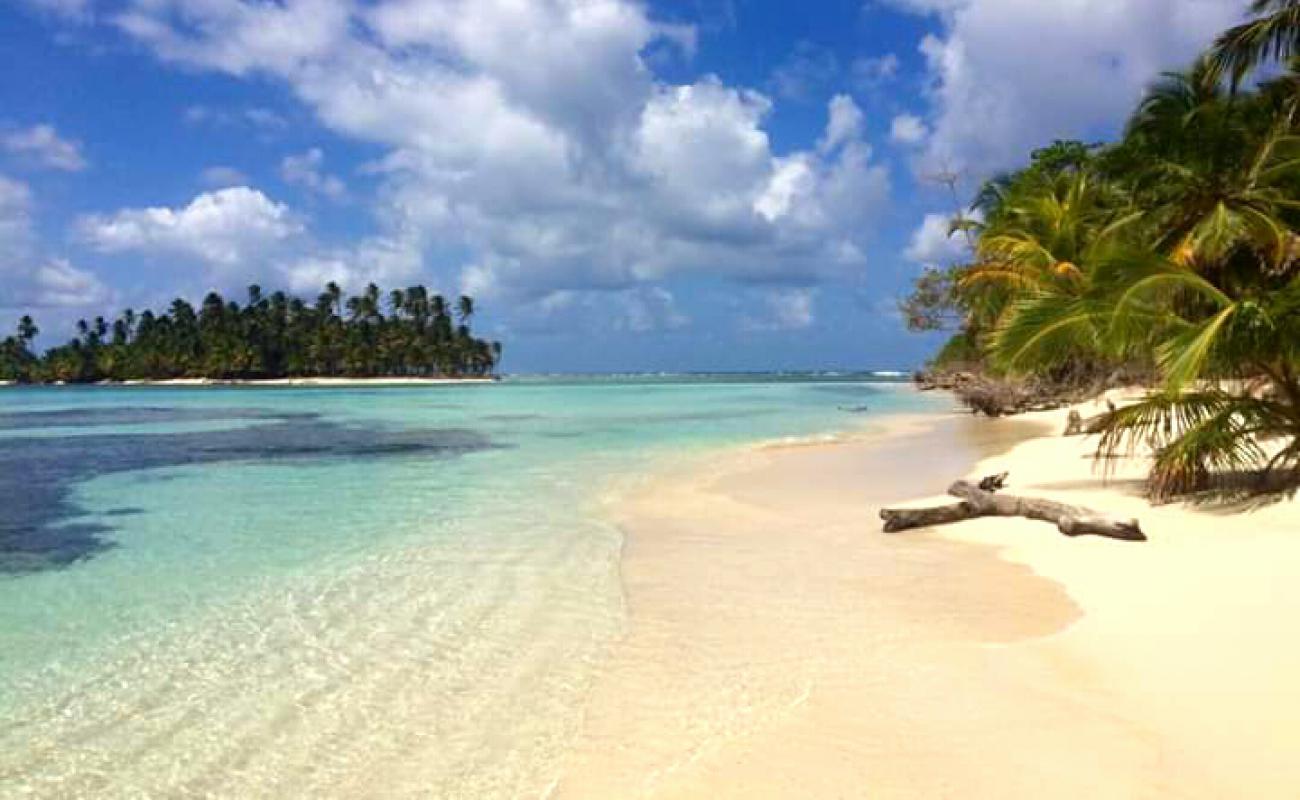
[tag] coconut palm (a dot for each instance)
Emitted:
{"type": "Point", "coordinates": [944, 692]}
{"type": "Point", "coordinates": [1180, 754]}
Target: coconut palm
{"type": "Point", "coordinates": [1230, 399]}
{"type": "Point", "coordinates": [1213, 174]}
{"type": "Point", "coordinates": [1272, 36]}
{"type": "Point", "coordinates": [1202, 279]}
{"type": "Point", "coordinates": [1039, 259]}
{"type": "Point", "coordinates": [272, 336]}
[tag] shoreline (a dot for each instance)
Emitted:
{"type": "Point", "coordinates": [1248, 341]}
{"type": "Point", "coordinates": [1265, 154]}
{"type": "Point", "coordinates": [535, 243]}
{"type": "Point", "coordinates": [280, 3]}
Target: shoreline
{"type": "Point", "coordinates": [780, 645]}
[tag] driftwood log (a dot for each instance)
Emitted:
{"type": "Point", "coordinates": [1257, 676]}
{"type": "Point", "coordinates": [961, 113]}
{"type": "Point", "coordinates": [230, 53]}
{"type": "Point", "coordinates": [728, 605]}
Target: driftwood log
{"type": "Point", "coordinates": [982, 501]}
{"type": "Point", "coordinates": [1078, 425]}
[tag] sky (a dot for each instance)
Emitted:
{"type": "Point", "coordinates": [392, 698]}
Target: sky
{"type": "Point", "coordinates": [621, 185]}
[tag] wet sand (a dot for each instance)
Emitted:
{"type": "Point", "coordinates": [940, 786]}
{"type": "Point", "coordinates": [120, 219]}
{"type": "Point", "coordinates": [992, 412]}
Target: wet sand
{"type": "Point", "coordinates": [780, 645]}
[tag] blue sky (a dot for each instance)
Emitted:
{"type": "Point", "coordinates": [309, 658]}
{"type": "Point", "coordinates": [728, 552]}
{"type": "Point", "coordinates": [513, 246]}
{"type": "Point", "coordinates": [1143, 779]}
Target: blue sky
{"type": "Point", "coordinates": [675, 185]}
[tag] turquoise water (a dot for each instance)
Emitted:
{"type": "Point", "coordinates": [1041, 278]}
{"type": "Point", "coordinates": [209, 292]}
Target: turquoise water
{"type": "Point", "coordinates": [335, 592]}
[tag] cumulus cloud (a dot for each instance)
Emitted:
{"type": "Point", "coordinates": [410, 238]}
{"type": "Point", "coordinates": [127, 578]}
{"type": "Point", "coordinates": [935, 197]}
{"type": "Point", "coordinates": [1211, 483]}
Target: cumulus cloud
{"type": "Point", "coordinates": [532, 137]}
{"type": "Point", "coordinates": [30, 278]}
{"type": "Point", "coordinates": [636, 310]}
{"type": "Point", "coordinates": [57, 284]}
{"type": "Point", "coordinates": [237, 233]}
{"type": "Point", "coordinates": [844, 125]}
{"type": "Point", "coordinates": [305, 170]}
{"type": "Point", "coordinates": [42, 146]}
{"type": "Point", "coordinates": [934, 244]}
{"type": "Point", "coordinates": [225, 229]}
{"type": "Point", "coordinates": [907, 129]}
{"type": "Point", "coordinates": [993, 98]}
{"type": "Point", "coordinates": [377, 259]}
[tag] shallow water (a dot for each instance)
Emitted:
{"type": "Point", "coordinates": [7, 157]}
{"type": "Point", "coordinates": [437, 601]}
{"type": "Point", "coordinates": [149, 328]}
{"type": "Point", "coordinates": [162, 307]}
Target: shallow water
{"type": "Point", "coordinates": [334, 592]}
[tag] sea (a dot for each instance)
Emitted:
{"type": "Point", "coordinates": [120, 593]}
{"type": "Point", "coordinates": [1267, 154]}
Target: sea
{"type": "Point", "coordinates": [340, 592]}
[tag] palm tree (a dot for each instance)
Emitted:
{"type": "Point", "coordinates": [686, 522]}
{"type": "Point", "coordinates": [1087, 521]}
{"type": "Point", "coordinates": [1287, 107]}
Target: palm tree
{"type": "Point", "coordinates": [1031, 291]}
{"type": "Point", "coordinates": [1214, 173]}
{"type": "Point", "coordinates": [27, 330]}
{"type": "Point", "coordinates": [271, 336]}
{"type": "Point", "coordinates": [1203, 279]}
{"type": "Point", "coordinates": [1273, 36]}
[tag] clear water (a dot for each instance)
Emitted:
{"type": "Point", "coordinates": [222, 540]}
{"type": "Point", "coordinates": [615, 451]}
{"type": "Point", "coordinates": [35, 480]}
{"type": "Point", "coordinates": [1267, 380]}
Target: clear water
{"type": "Point", "coordinates": [325, 592]}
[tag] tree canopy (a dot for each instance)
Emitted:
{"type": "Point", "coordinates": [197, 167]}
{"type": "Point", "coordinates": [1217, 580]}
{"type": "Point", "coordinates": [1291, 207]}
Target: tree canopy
{"type": "Point", "coordinates": [269, 336]}
{"type": "Point", "coordinates": [1173, 252]}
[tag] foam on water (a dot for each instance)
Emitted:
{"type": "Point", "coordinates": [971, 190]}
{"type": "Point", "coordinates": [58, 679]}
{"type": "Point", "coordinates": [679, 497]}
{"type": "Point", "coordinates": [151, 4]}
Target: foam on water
{"type": "Point", "coordinates": [392, 593]}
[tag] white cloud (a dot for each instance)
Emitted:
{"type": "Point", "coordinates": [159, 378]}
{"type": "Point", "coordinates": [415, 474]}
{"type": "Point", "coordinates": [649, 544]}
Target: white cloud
{"type": "Point", "coordinates": [649, 308]}
{"type": "Point", "coordinates": [256, 117]}
{"type": "Point", "coordinates": [239, 234]}
{"type": "Point", "coordinates": [385, 261]}
{"type": "Point", "coordinates": [927, 6]}
{"type": "Point", "coordinates": [305, 170]}
{"type": "Point", "coordinates": [845, 123]}
{"type": "Point", "coordinates": [636, 310]}
{"type": "Point", "coordinates": [42, 145]}
{"type": "Point", "coordinates": [58, 284]}
{"type": "Point", "coordinates": [870, 72]}
{"type": "Point", "coordinates": [907, 129]}
{"type": "Point", "coordinates": [31, 279]}
{"type": "Point", "coordinates": [15, 219]}
{"type": "Point", "coordinates": [71, 10]}
{"type": "Point", "coordinates": [782, 310]}
{"type": "Point", "coordinates": [222, 177]}
{"type": "Point", "coordinates": [228, 229]}
{"type": "Point", "coordinates": [994, 98]}
{"type": "Point", "coordinates": [934, 244]}
{"type": "Point", "coordinates": [531, 138]}
{"type": "Point", "coordinates": [804, 72]}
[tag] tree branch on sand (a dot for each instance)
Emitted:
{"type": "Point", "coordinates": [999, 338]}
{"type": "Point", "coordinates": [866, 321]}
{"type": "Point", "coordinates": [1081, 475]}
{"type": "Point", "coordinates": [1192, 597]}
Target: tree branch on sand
{"type": "Point", "coordinates": [982, 501]}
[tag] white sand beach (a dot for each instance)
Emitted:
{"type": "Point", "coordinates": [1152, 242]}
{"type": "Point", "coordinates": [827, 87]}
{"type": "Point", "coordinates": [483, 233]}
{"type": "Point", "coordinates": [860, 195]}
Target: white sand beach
{"type": "Point", "coordinates": [780, 645]}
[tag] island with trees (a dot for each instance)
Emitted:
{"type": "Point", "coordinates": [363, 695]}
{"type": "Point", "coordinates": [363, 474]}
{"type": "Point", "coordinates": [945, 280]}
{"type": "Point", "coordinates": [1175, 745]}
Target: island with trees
{"type": "Point", "coordinates": [1168, 259]}
{"type": "Point", "coordinates": [273, 336]}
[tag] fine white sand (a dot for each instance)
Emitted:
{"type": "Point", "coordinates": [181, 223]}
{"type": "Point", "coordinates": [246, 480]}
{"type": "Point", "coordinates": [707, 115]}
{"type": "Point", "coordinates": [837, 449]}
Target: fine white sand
{"type": "Point", "coordinates": [780, 645]}
{"type": "Point", "coordinates": [1191, 635]}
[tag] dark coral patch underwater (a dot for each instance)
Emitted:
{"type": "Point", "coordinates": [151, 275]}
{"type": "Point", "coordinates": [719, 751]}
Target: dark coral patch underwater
{"type": "Point", "coordinates": [38, 472]}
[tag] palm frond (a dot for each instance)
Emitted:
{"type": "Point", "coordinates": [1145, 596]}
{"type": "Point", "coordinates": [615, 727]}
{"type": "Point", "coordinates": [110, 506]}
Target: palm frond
{"type": "Point", "coordinates": [1047, 329]}
{"type": "Point", "coordinates": [1195, 437]}
{"type": "Point", "coordinates": [1183, 357]}
{"type": "Point", "coordinates": [1275, 36]}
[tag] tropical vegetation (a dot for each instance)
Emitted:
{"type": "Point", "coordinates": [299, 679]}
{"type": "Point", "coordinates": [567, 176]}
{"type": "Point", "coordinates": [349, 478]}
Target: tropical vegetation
{"type": "Point", "coordinates": [1172, 254]}
{"type": "Point", "coordinates": [270, 336]}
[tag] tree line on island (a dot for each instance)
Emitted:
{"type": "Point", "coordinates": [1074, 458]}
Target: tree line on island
{"type": "Point", "coordinates": [1170, 257]}
{"type": "Point", "coordinates": [270, 336]}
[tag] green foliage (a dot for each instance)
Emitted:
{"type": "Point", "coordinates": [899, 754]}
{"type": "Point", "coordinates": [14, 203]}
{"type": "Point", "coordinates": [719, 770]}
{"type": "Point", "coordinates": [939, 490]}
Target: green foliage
{"type": "Point", "coordinates": [268, 337]}
{"type": "Point", "coordinates": [961, 349]}
{"type": "Point", "coordinates": [1274, 35]}
{"type": "Point", "coordinates": [1174, 249]}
